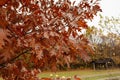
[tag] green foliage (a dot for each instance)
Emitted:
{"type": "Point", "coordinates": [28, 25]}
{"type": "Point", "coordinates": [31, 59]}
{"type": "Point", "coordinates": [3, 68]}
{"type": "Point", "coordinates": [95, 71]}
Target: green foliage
{"type": "Point", "coordinates": [84, 74]}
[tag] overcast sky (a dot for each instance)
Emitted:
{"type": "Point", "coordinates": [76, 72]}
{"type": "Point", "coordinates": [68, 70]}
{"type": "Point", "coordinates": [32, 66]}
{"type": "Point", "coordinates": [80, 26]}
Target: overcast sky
{"type": "Point", "coordinates": [110, 7]}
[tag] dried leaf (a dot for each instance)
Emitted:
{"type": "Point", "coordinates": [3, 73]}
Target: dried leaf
{"type": "Point", "coordinates": [6, 54]}
{"type": "Point", "coordinates": [3, 23]}
{"type": "Point", "coordinates": [39, 54]}
{"type": "Point", "coordinates": [82, 23]}
{"type": "Point", "coordinates": [46, 34]}
{"type": "Point", "coordinates": [2, 2]}
{"type": "Point", "coordinates": [3, 37]}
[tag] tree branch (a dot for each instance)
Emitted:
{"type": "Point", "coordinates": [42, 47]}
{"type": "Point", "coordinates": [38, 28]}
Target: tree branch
{"type": "Point", "coordinates": [14, 58]}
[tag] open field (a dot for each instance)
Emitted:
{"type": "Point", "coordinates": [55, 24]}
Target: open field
{"type": "Point", "coordinates": [84, 74]}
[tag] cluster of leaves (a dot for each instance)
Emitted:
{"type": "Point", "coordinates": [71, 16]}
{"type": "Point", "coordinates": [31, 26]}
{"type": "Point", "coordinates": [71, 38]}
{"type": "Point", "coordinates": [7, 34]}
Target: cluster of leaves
{"type": "Point", "coordinates": [12, 71]}
{"type": "Point", "coordinates": [45, 30]}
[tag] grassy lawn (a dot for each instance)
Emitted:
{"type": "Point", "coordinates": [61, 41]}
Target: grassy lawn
{"type": "Point", "coordinates": [101, 77]}
{"type": "Point", "coordinates": [84, 74]}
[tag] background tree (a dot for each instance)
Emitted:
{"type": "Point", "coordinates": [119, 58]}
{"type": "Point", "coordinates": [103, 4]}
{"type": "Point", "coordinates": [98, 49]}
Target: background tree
{"type": "Point", "coordinates": [111, 26]}
{"type": "Point", "coordinates": [105, 38]}
{"type": "Point", "coordinates": [40, 33]}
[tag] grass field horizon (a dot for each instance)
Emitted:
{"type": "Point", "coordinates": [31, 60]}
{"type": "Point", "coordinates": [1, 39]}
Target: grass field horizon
{"type": "Point", "coordinates": [86, 74]}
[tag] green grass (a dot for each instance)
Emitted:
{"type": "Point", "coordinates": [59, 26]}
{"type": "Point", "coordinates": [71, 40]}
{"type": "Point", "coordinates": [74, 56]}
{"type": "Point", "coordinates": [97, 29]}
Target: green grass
{"type": "Point", "coordinates": [101, 77]}
{"type": "Point", "coordinates": [84, 74]}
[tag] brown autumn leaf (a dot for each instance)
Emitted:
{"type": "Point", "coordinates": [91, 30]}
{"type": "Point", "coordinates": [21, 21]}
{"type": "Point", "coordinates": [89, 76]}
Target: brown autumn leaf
{"type": "Point", "coordinates": [6, 54]}
{"type": "Point", "coordinates": [74, 34]}
{"type": "Point", "coordinates": [96, 8]}
{"type": "Point", "coordinates": [3, 22]}
{"type": "Point", "coordinates": [3, 37]}
{"type": "Point", "coordinates": [39, 54]}
{"type": "Point", "coordinates": [2, 2]}
{"type": "Point", "coordinates": [82, 23]}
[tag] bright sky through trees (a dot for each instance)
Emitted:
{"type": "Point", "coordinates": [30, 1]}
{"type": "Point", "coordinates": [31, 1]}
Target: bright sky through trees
{"type": "Point", "coordinates": [109, 8]}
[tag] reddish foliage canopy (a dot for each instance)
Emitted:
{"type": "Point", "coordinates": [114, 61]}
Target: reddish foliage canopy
{"type": "Point", "coordinates": [42, 33]}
